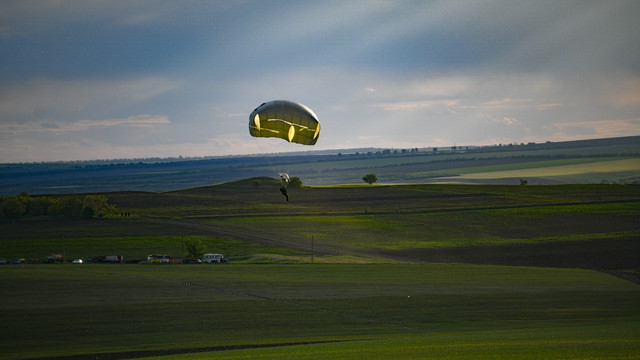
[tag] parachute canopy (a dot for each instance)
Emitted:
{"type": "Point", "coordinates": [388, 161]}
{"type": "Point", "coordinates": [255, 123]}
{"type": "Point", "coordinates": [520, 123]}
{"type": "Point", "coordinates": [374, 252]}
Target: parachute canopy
{"type": "Point", "coordinates": [286, 120]}
{"type": "Point", "coordinates": [284, 177]}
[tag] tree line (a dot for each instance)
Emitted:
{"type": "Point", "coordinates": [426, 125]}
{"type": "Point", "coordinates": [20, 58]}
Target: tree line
{"type": "Point", "coordinates": [78, 206]}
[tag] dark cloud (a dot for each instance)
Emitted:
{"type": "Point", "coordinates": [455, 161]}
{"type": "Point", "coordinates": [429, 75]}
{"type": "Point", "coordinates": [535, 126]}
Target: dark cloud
{"type": "Point", "coordinates": [503, 71]}
{"type": "Point", "coordinates": [49, 125]}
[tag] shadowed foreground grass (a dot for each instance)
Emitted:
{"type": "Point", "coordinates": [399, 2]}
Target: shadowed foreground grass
{"type": "Point", "coordinates": [587, 342]}
{"type": "Point", "coordinates": [392, 310]}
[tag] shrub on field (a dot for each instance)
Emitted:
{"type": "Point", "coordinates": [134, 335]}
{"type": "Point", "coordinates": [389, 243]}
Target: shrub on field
{"type": "Point", "coordinates": [13, 207]}
{"type": "Point", "coordinates": [69, 206]}
{"type": "Point", "coordinates": [295, 182]}
{"type": "Point", "coordinates": [370, 178]}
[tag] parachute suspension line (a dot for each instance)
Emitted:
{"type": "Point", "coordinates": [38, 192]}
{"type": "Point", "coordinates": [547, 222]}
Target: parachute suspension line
{"type": "Point", "coordinates": [284, 177]}
{"type": "Point", "coordinates": [274, 171]}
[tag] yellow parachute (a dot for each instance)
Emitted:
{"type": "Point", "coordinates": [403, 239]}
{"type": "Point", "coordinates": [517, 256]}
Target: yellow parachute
{"type": "Point", "coordinates": [286, 120]}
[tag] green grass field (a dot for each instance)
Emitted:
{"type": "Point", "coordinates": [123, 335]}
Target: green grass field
{"type": "Point", "coordinates": [405, 272]}
{"type": "Point", "coordinates": [390, 311]}
{"type": "Point", "coordinates": [591, 170]}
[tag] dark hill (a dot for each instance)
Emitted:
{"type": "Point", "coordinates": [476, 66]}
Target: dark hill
{"type": "Point", "coordinates": [252, 183]}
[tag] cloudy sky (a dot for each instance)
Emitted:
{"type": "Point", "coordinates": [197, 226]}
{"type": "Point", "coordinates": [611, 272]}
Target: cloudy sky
{"type": "Point", "coordinates": [115, 79]}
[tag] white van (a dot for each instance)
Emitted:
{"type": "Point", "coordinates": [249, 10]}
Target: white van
{"type": "Point", "coordinates": [214, 258]}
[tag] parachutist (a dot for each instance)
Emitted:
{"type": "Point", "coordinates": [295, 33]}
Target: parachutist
{"type": "Point", "coordinates": [283, 190]}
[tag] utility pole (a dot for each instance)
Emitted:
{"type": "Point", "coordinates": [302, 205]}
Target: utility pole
{"type": "Point", "coordinates": [312, 250]}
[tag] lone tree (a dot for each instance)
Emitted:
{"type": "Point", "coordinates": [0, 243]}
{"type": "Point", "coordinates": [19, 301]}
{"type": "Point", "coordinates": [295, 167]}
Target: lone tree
{"type": "Point", "coordinates": [370, 178]}
{"type": "Point", "coordinates": [295, 182]}
{"type": "Point", "coordinates": [195, 249]}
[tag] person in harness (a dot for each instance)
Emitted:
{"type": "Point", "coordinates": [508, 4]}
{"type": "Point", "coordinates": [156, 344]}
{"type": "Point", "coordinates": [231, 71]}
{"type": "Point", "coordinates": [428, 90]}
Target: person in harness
{"type": "Point", "coordinates": [284, 178]}
{"type": "Point", "coordinates": [283, 190]}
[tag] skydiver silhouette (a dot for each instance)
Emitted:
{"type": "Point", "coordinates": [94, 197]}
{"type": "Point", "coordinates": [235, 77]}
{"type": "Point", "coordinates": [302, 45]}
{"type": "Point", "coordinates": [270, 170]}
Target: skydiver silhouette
{"type": "Point", "coordinates": [283, 190]}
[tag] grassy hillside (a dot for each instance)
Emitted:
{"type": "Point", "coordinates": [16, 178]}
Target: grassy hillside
{"type": "Point", "coordinates": [587, 226]}
{"type": "Point", "coordinates": [568, 225]}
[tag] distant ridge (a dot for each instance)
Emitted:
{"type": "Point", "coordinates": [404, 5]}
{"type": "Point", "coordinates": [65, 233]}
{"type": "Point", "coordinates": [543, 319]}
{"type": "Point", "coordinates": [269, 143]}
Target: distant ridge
{"type": "Point", "coordinates": [327, 167]}
{"type": "Point", "coordinates": [344, 151]}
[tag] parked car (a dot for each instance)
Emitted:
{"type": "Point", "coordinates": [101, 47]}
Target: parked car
{"type": "Point", "coordinates": [158, 259]}
{"type": "Point", "coordinates": [214, 258]}
{"type": "Point", "coordinates": [55, 258]}
{"type": "Point", "coordinates": [191, 261]}
{"type": "Point", "coordinates": [77, 261]}
{"type": "Point", "coordinates": [107, 259]}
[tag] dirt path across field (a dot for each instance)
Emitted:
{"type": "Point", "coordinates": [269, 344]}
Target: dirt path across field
{"type": "Point", "coordinates": [272, 240]}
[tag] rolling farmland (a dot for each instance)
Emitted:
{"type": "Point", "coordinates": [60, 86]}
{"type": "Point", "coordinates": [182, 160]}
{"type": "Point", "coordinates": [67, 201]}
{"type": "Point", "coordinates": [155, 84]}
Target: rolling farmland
{"type": "Point", "coordinates": [403, 271]}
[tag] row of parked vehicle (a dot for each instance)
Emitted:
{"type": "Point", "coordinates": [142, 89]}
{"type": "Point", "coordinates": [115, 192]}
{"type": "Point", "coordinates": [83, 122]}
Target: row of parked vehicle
{"type": "Point", "coordinates": [18, 261]}
{"type": "Point", "coordinates": [167, 259]}
{"type": "Point", "coordinates": [53, 258]}
{"type": "Point", "coordinates": [151, 259]}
